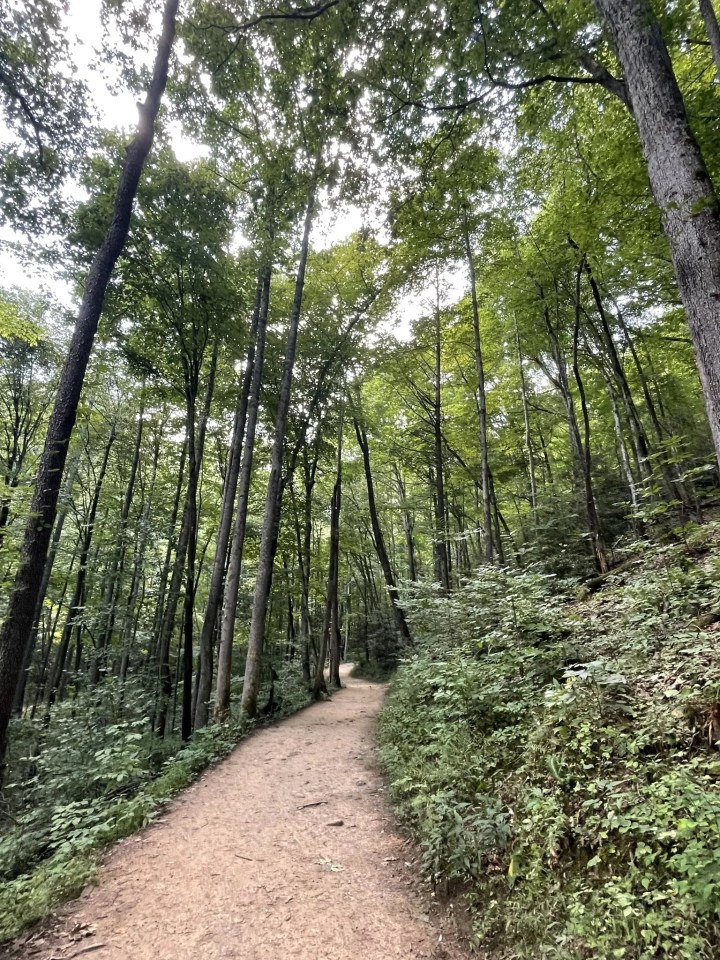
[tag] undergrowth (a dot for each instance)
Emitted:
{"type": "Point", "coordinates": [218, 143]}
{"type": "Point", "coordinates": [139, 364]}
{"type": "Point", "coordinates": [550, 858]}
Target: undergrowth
{"type": "Point", "coordinates": [556, 758]}
{"type": "Point", "coordinates": [373, 671]}
{"type": "Point", "coordinates": [89, 775]}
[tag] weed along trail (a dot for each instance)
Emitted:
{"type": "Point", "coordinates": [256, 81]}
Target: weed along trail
{"type": "Point", "coordinates": [284, 850]}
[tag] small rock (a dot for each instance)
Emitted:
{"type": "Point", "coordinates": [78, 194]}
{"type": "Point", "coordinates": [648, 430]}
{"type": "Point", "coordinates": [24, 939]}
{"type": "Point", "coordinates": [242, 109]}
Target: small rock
{"type": "Point", "coordinates": [335, 823]}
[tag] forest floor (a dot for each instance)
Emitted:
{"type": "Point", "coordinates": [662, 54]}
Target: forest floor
{"type": "Point", "coordinates": [286, 849]}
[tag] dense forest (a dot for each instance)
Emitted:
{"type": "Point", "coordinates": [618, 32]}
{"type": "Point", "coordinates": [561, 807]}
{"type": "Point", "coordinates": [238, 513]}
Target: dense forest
{"type": "Point", "coordinates": [389, 334]}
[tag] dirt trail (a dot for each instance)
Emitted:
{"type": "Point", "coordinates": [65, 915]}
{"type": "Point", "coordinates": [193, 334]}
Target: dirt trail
{"type": "Point", "coordinates": [247, 863]}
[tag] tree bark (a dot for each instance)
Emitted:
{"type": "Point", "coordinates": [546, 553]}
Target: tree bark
{"type": "Point", "coordinates": [195, 456]}
{"type": "Point", "coordinates": [271, 519]}
{"type": "Point", "coordinates": [329, 638]}
{"type": "Point", "coordinates": [232, 581]}
{"type": "Point", "coordinates": [707, 11]}
{"type": "Point", "coordinates": [441, 531]}
{"type": "Point", "coordinates": [207, 635]}
{"type": "Point", "coordinates": [401, 627]}
{"type": "Point", "coordinates": [17, 627]}
{"type": "Point", "coordinates": [529, 450]}
{"type": "Point", "coordinates": [45, 582]}
{"type": "Point", "coordinates": [590, 506]}
{"type": "Point", "coordinates": [679, 179]}
{"type": "Point", "coordinates": [481, 395]}
{"type": "Point", "coordinates": [118, 555]}
{"type": "Point", "coordinates": [76, 604]}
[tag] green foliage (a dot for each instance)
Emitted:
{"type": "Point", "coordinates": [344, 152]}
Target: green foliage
{"type": "Point", "coordinates": [556, 759]}
{"type": "Point", "coordinates": [91, 775]}
{"type": "Point", "coordinates": [373, 671]}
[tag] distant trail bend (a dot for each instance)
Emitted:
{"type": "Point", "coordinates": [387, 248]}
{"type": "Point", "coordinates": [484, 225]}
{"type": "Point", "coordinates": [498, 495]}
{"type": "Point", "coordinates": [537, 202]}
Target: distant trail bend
{"type": "Point", "coordinates": [285, 851]}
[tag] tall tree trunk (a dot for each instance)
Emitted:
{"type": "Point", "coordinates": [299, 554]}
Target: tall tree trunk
{"type": "Point", "coordinates": [679, 180]}
{"type": "Point", "coordinates": [173, 593]}
{"type": "Point", "coordinates": [401, 628]}
{"type": "Point", "coordinates": [481, 395]}
{"type": "Point", "coordinates": [237, 546]}
{"type": "Point", "coordinates": [195, 457]}
{"type": "Point", "coordinates": [590, 506]}
{"type": "Point", "coordinates": [707, 11]}
{"type": "Point", "coordinates": [207, 635]}
{"type": "Point", "coordinates": [620, 441]}
{"type": "Point", "coordinates": [76, 604]}
{"type": "Point", "coordinates": [407, 524]}
{"type": "Point", "coordinates": [114, 574]}
{"type": "Point", "coordinates": [17, 627]}
{"type": "Point", "coordinates": [637, 430]}
{"type": "Point", "coordinates": [45, 582]}
{"type": "Point", "coordinates": [303, 534]}
{"type": "Point", "coordinates": [441, 531]}
{"type": "Point", "coordinates": [271, 519]}
{"type": "Point", "coordinates": [529, 450]}
{"type": "Point", "coordinates": [172, 542]}
{"type": "Point", "coordinates": [190, 556]}
{"type": "Point", "coordinates": [329, 637]}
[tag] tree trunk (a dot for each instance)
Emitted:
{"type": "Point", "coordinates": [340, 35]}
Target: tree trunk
{"type": "Point", "coordinates": [195, 456]}
{"type": "Point", "coordinates": [679, 179]}
{"type": "Point", "coordinates": [232, 581]}
{"type": "Point", "coordinates": [590, 506]}
{"type": "Point", "coordinates": [407, 525]}
{"type": "Point", "coordinates": [481, 396]}
{"type": "Point", "coordinates": [271, 519]}
{"type": "Point", "coordinates": [76, 604]}
{"type": "Point", "coordinates": [441, 532]}
{"type": "Point", "coordinates": [165, 572]}
{"type": "Point", "coordinates": [114, 574]}
{"type": "Point", "coordinates": [526, 423]}
{"type": "Point", "coordinates": [401, 627]}
{"type": "Point", "coordinates": [45, 582]}
{"type": "Point", "coordinates": [168, 619]}
{"type": "Point", "coordinates": [17, 627]}
{"type": "Point", "coordinates": [621, 448]}
{"type": "Point", "coordinates": [707, 11]}
{"type": "Point", "coordinates": [207, 635]}
{"type": "Point", "coordinates": [329, 637]}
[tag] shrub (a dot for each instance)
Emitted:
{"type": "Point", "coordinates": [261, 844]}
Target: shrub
{"type": "Point", "coordinates": [556, 758]}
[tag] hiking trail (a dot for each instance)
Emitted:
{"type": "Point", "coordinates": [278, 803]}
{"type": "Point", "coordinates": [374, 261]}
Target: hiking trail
{"type": "Point", "coordinates": [286, 850]}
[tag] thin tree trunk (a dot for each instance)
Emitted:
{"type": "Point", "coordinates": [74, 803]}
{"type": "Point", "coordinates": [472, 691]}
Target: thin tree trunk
{"type": "Point", "coordinates": [17, 627]}
{"type": "Point", "coordinates": [76, 604]}
{"type": "Point", "coordinates": [401, 626]}
{"type": "Point", "coordinates": [481, 396]}
{"type": "Point", "coordinates": [590, 506]}
{"type": "Point", "coordinates": [620, 441]}
{"type": "Point", "coordinates": [272, 502]}
{"type": "Point", "coordinates": [117, 559]}
{"type": "Point", "coordinates": [526, 423]}
{"type": "Point", "coordinates": [45, 582]}
{"type": "Point", "coordinates": [679, 179]}
{"type": "Point", "coordinates": [407, 525]}
{"type": "Point", "coordinates": [441, 532]}
{"type": "Point", "coordinates": [165, 573]}
{"type": "Point", "coordinates": [232, 473]}
{"type": "Point", "coordinates": [237, 546]}
{"type": "Point", "coordinates": [707, 11]}
{"type": "Point", "coordinates": [329, 637]}
{"type": "Point", "coordinates": [195, 456]}
{"type": "Point", "coordinates": [168, 620]}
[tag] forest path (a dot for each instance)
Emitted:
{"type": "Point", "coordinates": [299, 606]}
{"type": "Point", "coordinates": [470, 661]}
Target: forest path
{"type": "Point", "coordinates": [284, 851]}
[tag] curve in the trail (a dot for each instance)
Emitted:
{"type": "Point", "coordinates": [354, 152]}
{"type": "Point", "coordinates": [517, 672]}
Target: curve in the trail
{"type": "Point", "coordinates": [285, 851]}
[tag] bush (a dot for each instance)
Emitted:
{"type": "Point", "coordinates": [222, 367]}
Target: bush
{"type": "Point", "coordinates": [89, 774]}
{"type": "Point", "coordinates": [556, 759]}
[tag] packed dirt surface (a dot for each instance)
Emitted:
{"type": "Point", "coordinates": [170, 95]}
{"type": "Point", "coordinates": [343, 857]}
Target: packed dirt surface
{"type": "Point", "coordinates": [285, 851]}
